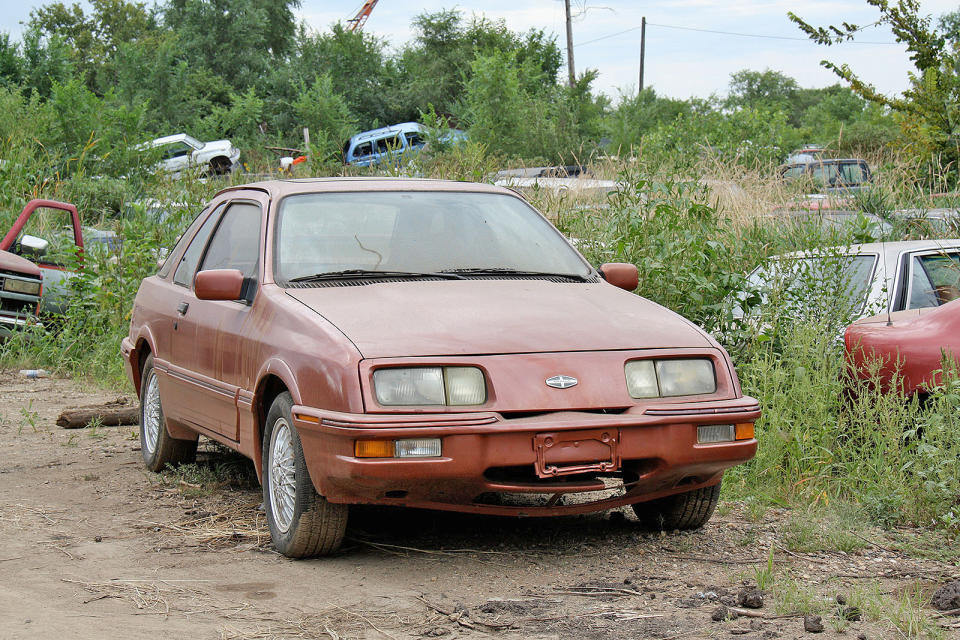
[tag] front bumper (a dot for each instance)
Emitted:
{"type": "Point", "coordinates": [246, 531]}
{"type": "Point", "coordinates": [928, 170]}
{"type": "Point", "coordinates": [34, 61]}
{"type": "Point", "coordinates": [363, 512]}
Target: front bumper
{"type": "Point", "coordinates": [10, 324]}
{"type": "Point", "coordinates": [488, 458]}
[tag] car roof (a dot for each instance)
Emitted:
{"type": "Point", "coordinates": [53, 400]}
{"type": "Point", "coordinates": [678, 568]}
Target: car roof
{"type": "Point", "coordinates": [177, 137]}
{"type": "Point", "coordinates": [281, 188]}
{"type": "Point", "coordinates": [403, 127]}
{"type": "Point", "coordinates": [888, 248]}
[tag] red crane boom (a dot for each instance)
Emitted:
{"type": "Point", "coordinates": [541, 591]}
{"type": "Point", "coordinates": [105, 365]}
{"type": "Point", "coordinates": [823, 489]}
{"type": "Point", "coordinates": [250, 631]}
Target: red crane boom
{"type": "Point", "coordinates": [357, 21]}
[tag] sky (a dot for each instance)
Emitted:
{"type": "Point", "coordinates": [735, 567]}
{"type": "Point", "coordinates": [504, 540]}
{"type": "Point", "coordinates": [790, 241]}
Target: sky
{"type": "Point", "coordinates": [679, 62]}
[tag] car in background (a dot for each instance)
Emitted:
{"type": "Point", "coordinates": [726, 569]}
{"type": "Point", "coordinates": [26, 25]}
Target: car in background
{"type": "Point", "coordinates": [940, 220]}
{"type": "Point", "coordinates": [427, 344]}
{"type": "Point", "coordinates": [847, 175]}
{"type": "Point", "coordinates": [872, 277]}
{"type": "Point", "coordinates": [20, 287]}
{"type": "Point", "coordinates": [371, 148]}
{"type": "Point", "coordinates": [180, 153]}
{"type": "Point", "coordinates": [862, 225]}
{"type": "Point", "coordinates": [905, 350]}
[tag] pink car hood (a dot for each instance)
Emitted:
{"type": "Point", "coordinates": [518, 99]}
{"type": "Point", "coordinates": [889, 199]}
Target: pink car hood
{"type": "Point", "coordinates": [475, 317]}
{"type": "Point", "coordinates": [16, 264]}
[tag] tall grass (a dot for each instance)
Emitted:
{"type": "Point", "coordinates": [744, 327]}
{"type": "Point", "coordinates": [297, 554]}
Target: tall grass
{"type": "Point", "coordinates": [694, 237]}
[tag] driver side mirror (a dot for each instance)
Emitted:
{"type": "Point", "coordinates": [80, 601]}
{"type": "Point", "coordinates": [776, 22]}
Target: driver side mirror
{"type": "Point", "coordinates": [218, 284]}
{"type": "Point", "coordinates": [33, 246]}
{"type": "Point", "coordinates": [621, 274]}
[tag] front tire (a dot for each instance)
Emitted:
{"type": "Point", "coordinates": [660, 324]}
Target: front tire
{"type": "Point", "coordinates": [156, 445]}
{"type": "Point", "coordinates": [690, 510]}
{"type": "Point", "coordinates": [302, 522]}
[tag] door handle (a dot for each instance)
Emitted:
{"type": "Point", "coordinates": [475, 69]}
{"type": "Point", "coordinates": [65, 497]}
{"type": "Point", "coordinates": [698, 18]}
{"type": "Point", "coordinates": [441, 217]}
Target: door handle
{"type": "Point", "coordinates": [182, 308]}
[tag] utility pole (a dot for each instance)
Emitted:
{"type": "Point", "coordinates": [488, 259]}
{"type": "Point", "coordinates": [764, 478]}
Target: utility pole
{"type": "Point", "coordinates": [643, 48]}
{"type": "Point", "coordinates": [570, 68]}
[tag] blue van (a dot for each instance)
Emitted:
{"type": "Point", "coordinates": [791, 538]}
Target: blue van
{"type": "Point", "coordinates": [374, 146]}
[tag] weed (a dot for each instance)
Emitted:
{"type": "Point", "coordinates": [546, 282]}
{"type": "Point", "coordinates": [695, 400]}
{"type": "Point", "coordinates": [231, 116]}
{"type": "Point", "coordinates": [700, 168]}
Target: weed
{"type": "Point", "coordinates": [95, 429]}
{"type": "Point", "coordinates": [28, 417]}
{"type": "Point", "coordinates": [765, 576]}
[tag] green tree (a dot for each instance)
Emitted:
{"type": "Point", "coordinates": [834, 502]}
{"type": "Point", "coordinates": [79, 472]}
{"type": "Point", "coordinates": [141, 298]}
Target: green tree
{"type": "Point", "coordinates": [96, 38]}
{"type": "Point", "coordinates": [238, 40]}
{"type": "Point", "coordinates": [319, 107]}
{"type": "Point", "coordinates": [929, 110]}
{"type": "Point", "coordinates": [762, 90]}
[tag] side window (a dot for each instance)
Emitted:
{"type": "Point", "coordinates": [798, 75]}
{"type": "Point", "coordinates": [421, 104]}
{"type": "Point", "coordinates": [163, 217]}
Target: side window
{"type": "Point", "coordinates": [181, 242]}
{"type": "Point", "coordinates": [824, 174]}
{"type": "Point", "coordinates": [921, 289]}
{"type": "Point", "coordinates": [795, 171]}
{"type": "Point", "coordinates": [386, 145]}
{"type": "Point", "coordinates": [236, 243]}
{"type": "Point", "coordinates": [414, 139]}
{"type": "Point", "coordinates": [176, 150]}
{"type": "Point", "coordinates": [852, 173]}
{"type": "Point", "coordinates": [188, 263]}
{"type": "Point", "coordinates": [943, 273]}
{"type": "Point", "coordinates": [363, 149]}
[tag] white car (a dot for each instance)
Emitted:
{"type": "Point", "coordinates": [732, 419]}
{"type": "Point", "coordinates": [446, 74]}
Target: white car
{"type": "Point", "coordinates": [874, 277]}
{"type": "Point", "coordinates": [181, 152]}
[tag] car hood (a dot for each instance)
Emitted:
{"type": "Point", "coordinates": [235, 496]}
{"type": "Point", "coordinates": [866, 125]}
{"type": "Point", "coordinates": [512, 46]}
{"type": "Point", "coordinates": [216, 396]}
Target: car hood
{"type": "Point", "coordinates": [16, 264]}
{"type": "Point", "coordinates": [216, 145]}
{"type": "Point", "coordinates": [479, 317]}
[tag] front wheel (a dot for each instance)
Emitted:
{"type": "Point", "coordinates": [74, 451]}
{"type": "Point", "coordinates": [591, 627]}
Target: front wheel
{"type": "Point", "coordinates": [156, 445]}
{"type": "Point", "coordinates": [302, 522]}
{"type": "Point", "coordinates": [690, 510]}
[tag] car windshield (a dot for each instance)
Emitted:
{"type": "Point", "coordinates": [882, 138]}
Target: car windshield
{"type": "Point", "coordinates": [416, 231]}
{"type": "Point", "coordinates": [193, 142]}
{"type": "Point", "coordinates": [841, 280]}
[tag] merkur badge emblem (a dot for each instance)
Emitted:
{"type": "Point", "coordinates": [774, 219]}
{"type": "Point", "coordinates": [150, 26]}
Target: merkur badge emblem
{"type": "Point", "coordinates": [561, 382]}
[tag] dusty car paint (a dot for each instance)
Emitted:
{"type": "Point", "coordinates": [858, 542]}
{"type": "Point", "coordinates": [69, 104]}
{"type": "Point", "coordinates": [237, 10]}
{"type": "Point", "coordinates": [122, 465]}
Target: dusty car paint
{"type": "Point", "coordinates": [906, 348]}
{"type": "Point", "coordinates": [220, 364]}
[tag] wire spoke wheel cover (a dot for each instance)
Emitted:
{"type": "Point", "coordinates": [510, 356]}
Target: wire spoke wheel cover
{"type": "Point", "coordinates": [152, 415]}
{"type": "Point", "coordinates": [282, 475]}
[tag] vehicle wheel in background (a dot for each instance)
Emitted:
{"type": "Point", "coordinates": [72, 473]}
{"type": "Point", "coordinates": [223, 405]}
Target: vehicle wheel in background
{"type": "Point", "coordinates": [302, 523]}
{"type": "Point", "coordinates": [219, 166]}
{"type": "Point", "coordinates": [156, 445]}
{"type": "Point", "coordinates": [689, 510]}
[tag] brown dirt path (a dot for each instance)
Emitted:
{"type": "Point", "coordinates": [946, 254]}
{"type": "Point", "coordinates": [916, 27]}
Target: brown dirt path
{"type": "Point", "coordinates": [94, 546]}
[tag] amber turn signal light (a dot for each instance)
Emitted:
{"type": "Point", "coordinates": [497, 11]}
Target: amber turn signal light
{"type": "Point", "coordinates": [745, 431]}
{"type": "Point", "coordinates": [373, 448]}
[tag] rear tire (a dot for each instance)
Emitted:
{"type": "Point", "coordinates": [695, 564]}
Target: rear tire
{"type": "Point", "coordinates": [690, 510]}
{"type": "Point", "coordinates": [302, 522]}
{"type": "Point", "coordinates": [156, 445]}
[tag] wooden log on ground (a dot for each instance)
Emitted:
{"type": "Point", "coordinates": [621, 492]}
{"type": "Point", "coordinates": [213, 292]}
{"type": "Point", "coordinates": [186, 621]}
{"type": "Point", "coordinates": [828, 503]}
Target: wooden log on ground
{"type": "Point", "coordinates": [111, 414]}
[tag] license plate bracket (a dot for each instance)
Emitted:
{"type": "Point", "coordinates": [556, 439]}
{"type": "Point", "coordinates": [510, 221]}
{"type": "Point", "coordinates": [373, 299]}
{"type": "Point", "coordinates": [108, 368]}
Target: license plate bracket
{"type": "Point", "coordinates": [566, 453]}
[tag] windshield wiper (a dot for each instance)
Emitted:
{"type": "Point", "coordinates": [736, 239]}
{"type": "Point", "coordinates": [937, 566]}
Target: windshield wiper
{"type": "Point", "coordinates": [348, 274]}
{"type": "Point", "coordinates": [496, 271]}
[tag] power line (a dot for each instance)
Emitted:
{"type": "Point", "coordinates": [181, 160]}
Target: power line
{"type": "Point", "coordinates": [725, 33]}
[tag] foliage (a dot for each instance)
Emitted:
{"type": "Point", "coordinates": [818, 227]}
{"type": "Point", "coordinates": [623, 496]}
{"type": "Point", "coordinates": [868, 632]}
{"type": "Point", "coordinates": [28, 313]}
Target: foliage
{"type": "Point", "coordinates": [930, 109]}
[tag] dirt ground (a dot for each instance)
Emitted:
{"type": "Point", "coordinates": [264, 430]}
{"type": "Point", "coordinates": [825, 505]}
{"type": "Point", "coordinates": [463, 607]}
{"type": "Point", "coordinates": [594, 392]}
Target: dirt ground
{"type": "Point", "coordinates": [94, 546]}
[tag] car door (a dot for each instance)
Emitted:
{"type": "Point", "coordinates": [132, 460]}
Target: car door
{"type": "Point", "coordinates": [180, 390]}
{"type": "Point", "coordinates": [176, 156]}
{"type": "Point", "coordinates": [210, 331]}
{"type": "Point", "coordinates": [934, 278]}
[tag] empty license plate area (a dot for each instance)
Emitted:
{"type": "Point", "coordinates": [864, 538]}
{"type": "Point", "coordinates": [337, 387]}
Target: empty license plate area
{"type": "Point", "coordinates": [570, 452]}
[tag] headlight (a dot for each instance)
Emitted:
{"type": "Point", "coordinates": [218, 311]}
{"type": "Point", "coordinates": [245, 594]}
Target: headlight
{"type": "Point", "coordinates": [416, 386]}
{"type": "Point", "coordinates": [668, 378]}
{"type": "Point", "coordinates": [28, 287]}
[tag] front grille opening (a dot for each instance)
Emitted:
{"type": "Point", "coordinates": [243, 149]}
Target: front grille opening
{"type": "Point", "coordinates": [518, 415]}
{"type": "Point", "coordinates": [630, 472]}
{"type": "Point", "coordinates": [17, 307]}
